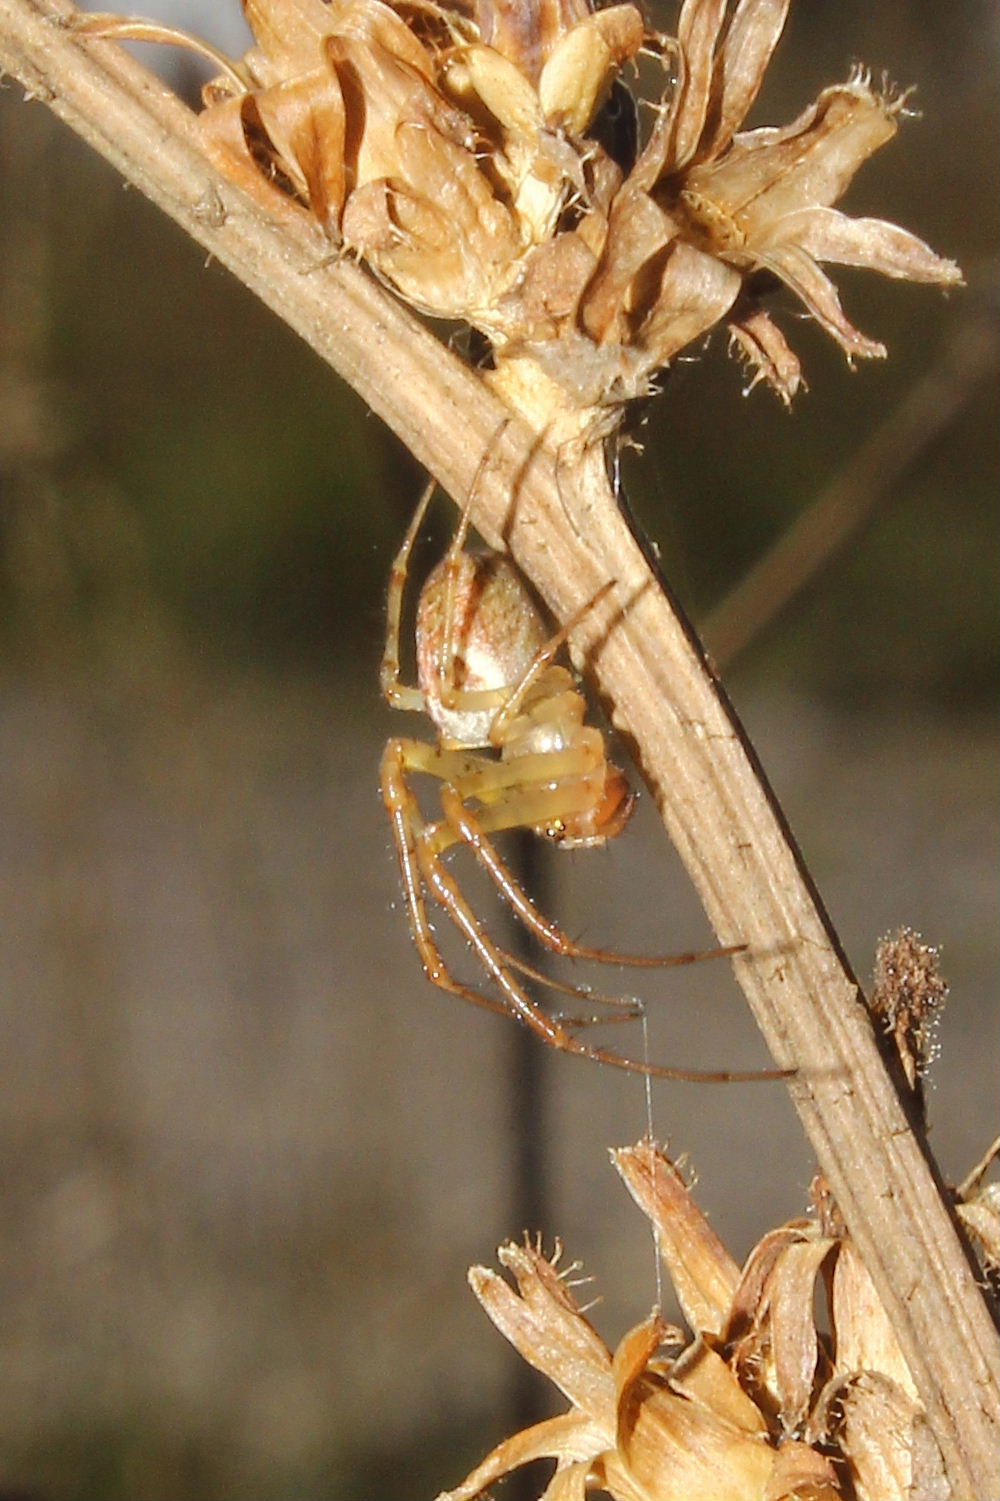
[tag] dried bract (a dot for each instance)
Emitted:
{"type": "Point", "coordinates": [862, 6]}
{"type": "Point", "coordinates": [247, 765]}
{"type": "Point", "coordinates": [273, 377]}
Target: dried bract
{"type": "Point", "coordinates": [978, 1208]}
{"type": "Point", "coordinates": [756, 1404]}
{"type": "Point", "coordinates": [479, 158]}
{"type": "Point", "coordinates": [980, 1215]}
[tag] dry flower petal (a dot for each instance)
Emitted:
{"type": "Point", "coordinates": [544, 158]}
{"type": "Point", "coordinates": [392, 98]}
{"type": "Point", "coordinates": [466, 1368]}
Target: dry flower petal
{"type": "Point", "coordinates": [768, 173]}
{"type": "Point", "coordinates": [762, 200]}
{"type": "Point", "coordinates": [764, 347]}
{"type": "Point", "coordinates": [803, 1474]}
{"type": "Point", "coordinates": [703, 1273]}
{"type": "Point", "coordinates": [872, 244]}
{"type": "Point", "coordinates": [753, 34]}
{"type": "Point", "coordinates": [568, 1438]}
{"type": "Point", "coordinates": [676, 1451]}
{"type": "Point", "coordinates": [289, 33]}
{"type": "Point", "coordinates": [794, 1348]}
{"type": "Point", "coordinates": [775, 1346]}
{"type": "Point", "coordinates": [543, 1323]}
{"type": "Point", "coordinates": [698, 30]}
{"type": "Point", "coordinates": [695, 292]}
{"type": "Point", "coordinates": [865, 1337]}
{"type": "Point", "coordinates": [981, 1217]}
{"type": "Point", "coordinates": [702, 1374]}
{"type": "Point", "coordinates": [681, 1436]}
{"type": "Point", "coordinates": [305, 122]}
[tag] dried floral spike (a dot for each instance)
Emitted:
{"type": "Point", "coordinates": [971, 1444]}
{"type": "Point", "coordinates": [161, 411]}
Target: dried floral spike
{"type": "Point", "coordinates": [641, 1427]}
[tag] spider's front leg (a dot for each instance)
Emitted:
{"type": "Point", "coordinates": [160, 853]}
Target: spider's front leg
{"type": "Point", "coordinates": [397, 693]}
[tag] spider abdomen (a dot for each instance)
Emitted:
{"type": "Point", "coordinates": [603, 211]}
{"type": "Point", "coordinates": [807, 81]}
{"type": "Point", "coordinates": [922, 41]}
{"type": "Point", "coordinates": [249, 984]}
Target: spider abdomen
{"type": "Point", "coordinates": [496, 630]}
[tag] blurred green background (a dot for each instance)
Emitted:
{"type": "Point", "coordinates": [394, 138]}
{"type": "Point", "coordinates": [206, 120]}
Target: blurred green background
{"type": "Point", "coordinates": [247, 1153]}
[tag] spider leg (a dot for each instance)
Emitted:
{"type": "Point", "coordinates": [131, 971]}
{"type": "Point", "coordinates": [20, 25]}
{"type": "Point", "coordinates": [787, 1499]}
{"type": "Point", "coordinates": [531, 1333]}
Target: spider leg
{"type": "Point", "coordinates": [472, 829]}
{"type": "Point", "coordinates": [540, 662]}
{"type": "Point", "coordinates": [407, 827]}
{"type": "Point", "coordinates": [406, 832]}
{"type": "Point", "coordinates": [570, 1044]}
{"type": "Point", "coordinates": [629, 1008]}
{"type": "Point", "coordinates": [422, 866]}
{"type": "Point", "coordinates": [451, 694]}
{"type": "Point", "coordinates": [399, 694]}
{"type": "Point", "coordinates": [553, 1030]}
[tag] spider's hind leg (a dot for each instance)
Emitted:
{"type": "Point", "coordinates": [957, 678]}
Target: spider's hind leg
{"type": "Point", "coordinates": [423, 870]}
{"type": "Point", "coordinates": [472, 829]}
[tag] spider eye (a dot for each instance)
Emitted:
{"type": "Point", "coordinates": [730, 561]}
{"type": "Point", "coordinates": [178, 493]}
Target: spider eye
{"type": "Point", "coordinates": [556, 829]}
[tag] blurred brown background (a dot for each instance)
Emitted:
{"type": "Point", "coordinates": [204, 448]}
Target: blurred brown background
{"type": "Point", "coordinates": [247, 1153]}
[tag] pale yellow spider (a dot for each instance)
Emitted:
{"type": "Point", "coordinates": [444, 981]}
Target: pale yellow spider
{"type": "Point", "coordinates": [512, 752]}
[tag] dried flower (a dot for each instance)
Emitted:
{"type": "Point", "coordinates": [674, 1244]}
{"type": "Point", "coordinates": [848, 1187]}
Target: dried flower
{"type": "Point", "coordinates": [758, 1404]}
{"type": "Point", "coordinates": [439, 159]}
{"type": "Point", "coordinates": [641, 1426]}
{"type": "Point", "coordinates": [762, 200]}
{"type": "Point", "coordinates": [706, 207]}
{"type": "Point", "coordinates": [907, 997]}
{"type": "Point", "coordinates": [468, 153]}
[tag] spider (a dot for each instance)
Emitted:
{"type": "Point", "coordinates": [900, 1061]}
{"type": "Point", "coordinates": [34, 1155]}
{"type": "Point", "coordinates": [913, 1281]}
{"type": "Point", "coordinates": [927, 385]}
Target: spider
{"type": "Point", "coordinates": [512, 752]}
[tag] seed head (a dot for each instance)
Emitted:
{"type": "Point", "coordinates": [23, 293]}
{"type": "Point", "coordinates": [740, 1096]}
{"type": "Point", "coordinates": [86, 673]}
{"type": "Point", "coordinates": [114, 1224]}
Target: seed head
{"type": "Point", "coordinates": [481, 158]}
{"type": "Point", "coordinates": [756, 1402]}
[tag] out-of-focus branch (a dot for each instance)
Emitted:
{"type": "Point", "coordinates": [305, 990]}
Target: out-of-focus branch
{"type": "Point", "coordinates": [969, 358]}
{"type": "Point", "coordinates": [565, 531]}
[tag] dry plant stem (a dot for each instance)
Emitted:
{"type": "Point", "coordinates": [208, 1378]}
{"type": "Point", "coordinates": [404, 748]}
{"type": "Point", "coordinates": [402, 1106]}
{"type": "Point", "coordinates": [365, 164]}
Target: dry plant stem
{"type": "Point", "coordinates": [566, 533]}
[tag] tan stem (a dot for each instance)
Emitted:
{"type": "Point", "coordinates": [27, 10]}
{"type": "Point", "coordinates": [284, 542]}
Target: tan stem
{"type": "Point", "coordinates": [566, 533]}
